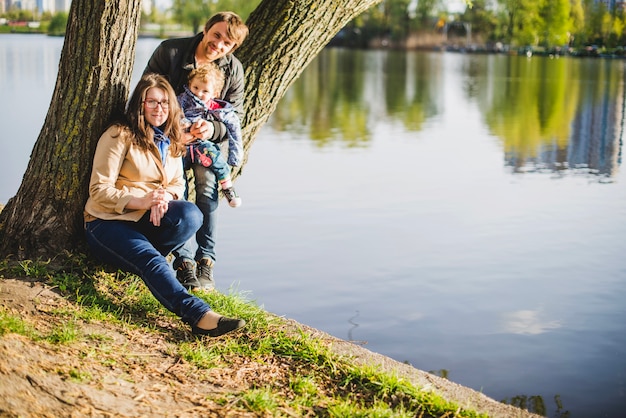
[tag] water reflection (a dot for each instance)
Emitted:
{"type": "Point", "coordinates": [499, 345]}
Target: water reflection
{"type": "Point", "coordinates": [344, 93]}
{"type": "Point", "coordinates": [557, 115]}
{"type": "Point", "coordinates": [552, 115]}
{"type": "Point", "coordinates": [527, 322]}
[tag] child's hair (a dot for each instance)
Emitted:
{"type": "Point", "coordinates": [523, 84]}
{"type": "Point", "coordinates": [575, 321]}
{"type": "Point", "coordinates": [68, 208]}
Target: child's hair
{"type": "Point", "coordinates": [209, 73]}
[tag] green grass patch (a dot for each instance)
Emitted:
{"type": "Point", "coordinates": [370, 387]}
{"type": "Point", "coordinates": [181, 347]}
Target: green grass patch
{"type": "Point", "coordinates": [12, 324]}
{"type": "Point", "coordinates": [279, 369]}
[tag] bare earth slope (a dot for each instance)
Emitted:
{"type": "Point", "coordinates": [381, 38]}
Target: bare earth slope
{"type": "Point", "coordinates": [141, 376]}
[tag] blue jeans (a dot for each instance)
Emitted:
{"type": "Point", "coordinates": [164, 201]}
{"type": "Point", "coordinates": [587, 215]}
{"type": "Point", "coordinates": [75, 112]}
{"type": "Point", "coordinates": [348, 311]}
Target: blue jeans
{"type": "Point", "coordinates": [207, 199]}
{"type": "Point", "coordinates": [141, 248]}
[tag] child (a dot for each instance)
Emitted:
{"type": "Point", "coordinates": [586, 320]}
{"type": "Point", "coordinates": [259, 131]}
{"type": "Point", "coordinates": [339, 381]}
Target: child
{"type": "Point", "coordinates": [198, 101]}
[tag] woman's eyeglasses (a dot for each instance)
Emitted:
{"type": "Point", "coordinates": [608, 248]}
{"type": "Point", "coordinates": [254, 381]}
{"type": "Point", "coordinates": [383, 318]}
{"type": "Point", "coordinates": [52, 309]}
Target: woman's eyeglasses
{"type": "Point", "coordinates": [152, 104]}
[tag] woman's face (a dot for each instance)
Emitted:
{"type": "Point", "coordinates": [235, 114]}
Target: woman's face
{"type": "Point", "coordinates": [156, 106]}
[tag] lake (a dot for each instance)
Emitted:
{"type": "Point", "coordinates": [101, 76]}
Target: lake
{"type": "Point", "coordinates": [462, 213]}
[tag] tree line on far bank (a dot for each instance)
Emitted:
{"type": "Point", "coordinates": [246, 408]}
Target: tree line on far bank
{"type": "Point", "coordinates": [537, 23]}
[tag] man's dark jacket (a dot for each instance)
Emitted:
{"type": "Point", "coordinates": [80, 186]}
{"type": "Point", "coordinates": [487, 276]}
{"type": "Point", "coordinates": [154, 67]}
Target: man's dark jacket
{"type": "Point", "coordinates": [175, 58]}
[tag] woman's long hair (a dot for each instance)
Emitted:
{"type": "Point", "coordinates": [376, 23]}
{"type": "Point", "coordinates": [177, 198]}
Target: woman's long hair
{"type": "Point", "coordinates": [142, 132]}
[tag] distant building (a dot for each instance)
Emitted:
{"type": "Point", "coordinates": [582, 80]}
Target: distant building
{"type": "Point", "coordinates": [38, 6]}
{"type": "Point", "coordinates": [55, 6]}
{"type": "Point", "coordinates": [62, 5]}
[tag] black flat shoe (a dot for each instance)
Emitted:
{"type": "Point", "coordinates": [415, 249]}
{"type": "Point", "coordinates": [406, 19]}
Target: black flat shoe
{"type": "Point", "coordinates": [224, 325]}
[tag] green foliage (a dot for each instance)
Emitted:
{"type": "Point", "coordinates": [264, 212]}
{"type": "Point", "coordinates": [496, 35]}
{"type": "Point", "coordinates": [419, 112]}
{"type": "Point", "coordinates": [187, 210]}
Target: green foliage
{"type": "Point", "coordinates": [559, 22]}
{"type": "Point", "coordinates": [58, 24]}
{"type": "Point", "coordinates": [548, 23]}
{"type": "Point", "coordinates": [192, 13]}
{"type": "Point", "coordinates": [195, 13]}
{"type": "Point", "coordinates": [555, 22]}
{"type": "Point", "coordinates": [484, 22]}
{"type": "Point", "coordinates": [19, 14]}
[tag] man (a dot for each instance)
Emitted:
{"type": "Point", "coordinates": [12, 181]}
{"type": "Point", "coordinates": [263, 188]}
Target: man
{"type": "Point", "coordinates": [223, 33]}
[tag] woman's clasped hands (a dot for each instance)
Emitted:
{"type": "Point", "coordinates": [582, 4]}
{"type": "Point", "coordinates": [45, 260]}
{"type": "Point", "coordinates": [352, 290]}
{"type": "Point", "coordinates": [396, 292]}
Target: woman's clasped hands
{"type": "Point", "coordinates": [159, 202]}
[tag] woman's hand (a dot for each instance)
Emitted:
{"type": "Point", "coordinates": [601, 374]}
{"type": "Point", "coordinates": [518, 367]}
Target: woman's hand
{"type": "Point", "coordinates": [202, 129]}
{"type": "Point", "coordinates": [159, 205]}
{"type": "Point", "coordinates": [157, 201]}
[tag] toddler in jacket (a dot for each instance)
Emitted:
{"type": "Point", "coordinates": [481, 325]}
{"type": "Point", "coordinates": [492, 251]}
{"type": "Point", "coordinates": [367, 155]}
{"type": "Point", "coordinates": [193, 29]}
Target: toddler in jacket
{"type": "Point", "coordinates": [198, 101]}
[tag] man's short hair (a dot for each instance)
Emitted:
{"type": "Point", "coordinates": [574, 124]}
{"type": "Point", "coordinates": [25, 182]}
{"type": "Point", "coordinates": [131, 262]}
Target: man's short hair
{"type": "Point", "coordinates": [237, 29]}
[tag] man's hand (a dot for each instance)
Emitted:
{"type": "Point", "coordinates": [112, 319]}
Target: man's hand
{"type": "Point", "coordinates": [202, 129]}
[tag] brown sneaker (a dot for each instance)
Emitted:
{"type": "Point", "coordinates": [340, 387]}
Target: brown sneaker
{"type": "Point", "coordinates": [186, 275]}
{"type": "Point", "coordinates": [205, 274]}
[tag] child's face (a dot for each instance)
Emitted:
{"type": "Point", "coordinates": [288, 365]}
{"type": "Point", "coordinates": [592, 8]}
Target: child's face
{"type": "Point", "coordinates": [203, 89]}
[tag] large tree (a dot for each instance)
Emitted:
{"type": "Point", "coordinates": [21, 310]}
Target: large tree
{"type": "Point", "coordinates": [521, 20]}
{"type": "Point", "coordinates": [44, 218]}
{"type": "Point", "coordinates": [555, 22]}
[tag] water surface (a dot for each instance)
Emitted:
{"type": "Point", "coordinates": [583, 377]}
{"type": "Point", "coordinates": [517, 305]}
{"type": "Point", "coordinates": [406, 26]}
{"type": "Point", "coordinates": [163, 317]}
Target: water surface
{"type": "Point", "coordinates": [462, 213]}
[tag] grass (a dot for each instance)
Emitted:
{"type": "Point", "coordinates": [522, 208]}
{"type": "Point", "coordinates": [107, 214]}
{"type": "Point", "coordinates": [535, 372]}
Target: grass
{"type": "Point", "coordinates": [294, 374]}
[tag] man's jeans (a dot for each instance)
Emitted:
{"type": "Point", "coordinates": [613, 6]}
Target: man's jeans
{"type": "Point", "coordinates": [141, 248]}
{"type": "Point", "coordinates": [203, 244]}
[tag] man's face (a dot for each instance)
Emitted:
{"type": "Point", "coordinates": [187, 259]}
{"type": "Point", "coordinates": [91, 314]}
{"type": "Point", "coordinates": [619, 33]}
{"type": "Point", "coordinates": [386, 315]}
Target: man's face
{"type": "Point", "coordinates": [215, 43]}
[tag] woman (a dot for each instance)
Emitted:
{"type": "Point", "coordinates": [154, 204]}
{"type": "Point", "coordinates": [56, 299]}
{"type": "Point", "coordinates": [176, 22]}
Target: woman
{"type": "Point", "coordinates": [133, 216]}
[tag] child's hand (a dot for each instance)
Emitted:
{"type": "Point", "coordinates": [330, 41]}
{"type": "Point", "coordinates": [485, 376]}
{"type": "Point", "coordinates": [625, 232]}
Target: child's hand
{"type": "Point", "coordinates": [188, 138]}
{"type": "Point", "coordinates": [185, 124]}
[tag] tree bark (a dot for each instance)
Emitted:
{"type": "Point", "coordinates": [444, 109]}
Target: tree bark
{"type": "Point", "coordinates": [45, 217]}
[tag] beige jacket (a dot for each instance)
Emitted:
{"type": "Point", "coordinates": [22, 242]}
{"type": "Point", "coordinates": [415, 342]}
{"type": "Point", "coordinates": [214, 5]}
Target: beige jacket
{"type": "Point", "coordinates": [122, 170]}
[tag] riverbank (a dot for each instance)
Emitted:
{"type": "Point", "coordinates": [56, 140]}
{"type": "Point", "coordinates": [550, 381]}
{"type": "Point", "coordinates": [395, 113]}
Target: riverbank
{"type": "Point", "coordinates": [118, 369]}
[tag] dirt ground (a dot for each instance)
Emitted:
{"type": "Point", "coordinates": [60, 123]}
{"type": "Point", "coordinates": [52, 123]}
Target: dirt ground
{"type": "Point", "coordinates": [139, 374]}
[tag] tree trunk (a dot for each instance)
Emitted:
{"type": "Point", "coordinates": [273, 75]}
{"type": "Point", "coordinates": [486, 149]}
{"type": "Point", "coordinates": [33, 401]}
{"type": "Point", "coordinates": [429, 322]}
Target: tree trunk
{"type": "Point", "coordinates": [45, 216]}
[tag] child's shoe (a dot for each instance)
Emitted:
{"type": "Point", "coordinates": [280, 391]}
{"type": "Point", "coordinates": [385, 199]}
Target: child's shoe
{"type": "Point", "coordinates": [233, 198]}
